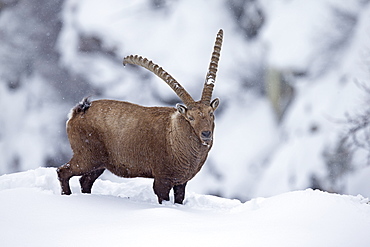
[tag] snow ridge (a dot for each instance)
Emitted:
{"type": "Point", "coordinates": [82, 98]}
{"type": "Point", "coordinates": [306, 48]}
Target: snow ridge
{"type": "Point", "coordinates": [126, 213]}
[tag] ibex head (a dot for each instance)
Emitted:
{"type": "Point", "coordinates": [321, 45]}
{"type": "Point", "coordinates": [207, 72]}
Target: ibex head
{"type": "Point", "coordinates": [198, 113]}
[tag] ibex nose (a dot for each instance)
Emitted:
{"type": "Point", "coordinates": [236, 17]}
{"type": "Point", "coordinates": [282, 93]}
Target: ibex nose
{"type": "Point", "coordinates": [206, 134]}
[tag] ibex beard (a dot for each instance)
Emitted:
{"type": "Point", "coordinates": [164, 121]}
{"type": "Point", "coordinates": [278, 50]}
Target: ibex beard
{"type": "Point", "coordinates": [164, 143]}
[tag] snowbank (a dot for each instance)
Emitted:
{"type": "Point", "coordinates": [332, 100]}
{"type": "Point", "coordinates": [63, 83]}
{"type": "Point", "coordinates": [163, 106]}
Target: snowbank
{"type": "Point", "coordinates": [33, 213]}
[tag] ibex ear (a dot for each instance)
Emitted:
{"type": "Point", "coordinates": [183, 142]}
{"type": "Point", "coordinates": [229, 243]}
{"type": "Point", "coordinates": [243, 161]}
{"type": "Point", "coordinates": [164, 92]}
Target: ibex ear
{"type": "Point", "coordinates": [215, 103]}
{"type": "Point", "coordinates": [181, 108]}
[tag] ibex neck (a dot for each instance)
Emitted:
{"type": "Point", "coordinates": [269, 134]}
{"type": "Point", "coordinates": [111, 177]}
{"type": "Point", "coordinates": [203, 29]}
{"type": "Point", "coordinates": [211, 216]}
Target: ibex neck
{"type": "Point", "coordinates": [186, 146]}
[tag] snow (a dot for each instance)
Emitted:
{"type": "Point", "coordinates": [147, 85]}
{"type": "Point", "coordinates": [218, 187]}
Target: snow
{"type": "Point", "coordinates": [126, 213]}
{"type": "Point", "coordinates": [210, 81]}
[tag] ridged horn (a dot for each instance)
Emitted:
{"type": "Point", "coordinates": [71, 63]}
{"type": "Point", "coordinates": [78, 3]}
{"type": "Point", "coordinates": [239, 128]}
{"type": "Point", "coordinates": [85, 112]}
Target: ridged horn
{"type": "Point", "coordinates": [212, 70]}
{"type": "Point", "coordinates": [161, 73]}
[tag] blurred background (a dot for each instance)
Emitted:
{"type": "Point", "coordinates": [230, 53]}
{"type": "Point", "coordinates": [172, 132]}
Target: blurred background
{"type": "Point", "coordinates": [293, 80]}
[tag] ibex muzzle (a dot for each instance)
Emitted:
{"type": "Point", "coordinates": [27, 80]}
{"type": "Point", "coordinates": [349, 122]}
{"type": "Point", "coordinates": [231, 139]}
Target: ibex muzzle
{"type": "Point", "coordinates": [164, 143]}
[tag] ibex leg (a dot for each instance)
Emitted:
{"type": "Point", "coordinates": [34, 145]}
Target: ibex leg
{"type": "Point", "coordinates": [162, 189]}
{"type": "Point", "coordinates": [179, 191]}
{"type": "Point", "coordinates": [75, 167]}
{"type": "Point", "coordinates": [64, 174]}
{"type": "Point", "coordinates": [87, 180]}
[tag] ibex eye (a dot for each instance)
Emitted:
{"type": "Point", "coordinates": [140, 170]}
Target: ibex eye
{"type": "Point", "coordinates": [211, 114]}
{"type": "Point", "coordinates": [191, 118]}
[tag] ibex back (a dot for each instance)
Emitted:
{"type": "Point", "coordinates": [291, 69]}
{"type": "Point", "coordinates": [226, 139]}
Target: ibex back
{"type": "Point", "coordinates": [164, 143]}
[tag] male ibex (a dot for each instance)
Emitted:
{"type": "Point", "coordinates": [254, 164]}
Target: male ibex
{"type": "Point", "coordinates": [164, 143]}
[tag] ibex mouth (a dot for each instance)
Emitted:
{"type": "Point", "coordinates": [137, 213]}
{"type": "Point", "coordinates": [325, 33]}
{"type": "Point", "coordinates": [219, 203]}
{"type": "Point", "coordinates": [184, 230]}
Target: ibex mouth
{"type": "Point", "coordinates": [206, 137]}
{"type": "Point", "coordinates": [206, 141]}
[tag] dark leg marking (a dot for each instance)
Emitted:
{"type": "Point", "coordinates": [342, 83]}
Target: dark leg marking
{"type": "Point", "coordinates": [87, 180]}
{"type": "Point", "coordinates": [179, 191]}
{"type": "Point", "coordinates": [64, 174]}
{"type": "Point", "coordinates": [162, 189]}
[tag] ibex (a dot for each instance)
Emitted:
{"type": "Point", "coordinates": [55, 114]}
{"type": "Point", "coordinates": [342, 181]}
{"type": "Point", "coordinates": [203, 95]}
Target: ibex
{"type": "Point", "coordinates": [164, 143]}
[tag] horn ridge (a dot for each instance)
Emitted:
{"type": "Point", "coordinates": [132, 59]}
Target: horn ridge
{"type": "Point", "coordinates": [161, 73]}
{"type": "Point", "coordinates": [212, 69]}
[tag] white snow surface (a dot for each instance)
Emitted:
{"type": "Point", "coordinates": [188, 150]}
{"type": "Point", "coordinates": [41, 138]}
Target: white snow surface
{"type": "Point", "coordinates": [126, 213]}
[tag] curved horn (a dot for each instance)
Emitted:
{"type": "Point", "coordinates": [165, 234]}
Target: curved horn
{"type": "Point", "coordinates": [212, 70]}
{"type": "Point", "coordinates": [161, 73]}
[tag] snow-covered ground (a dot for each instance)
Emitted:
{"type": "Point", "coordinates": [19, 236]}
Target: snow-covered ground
{"type": "Point", "coordinates": [126, 213]}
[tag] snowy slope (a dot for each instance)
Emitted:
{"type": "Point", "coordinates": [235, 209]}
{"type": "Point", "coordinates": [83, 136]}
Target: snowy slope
{"type": "Point", "coordinates": [126, 213]}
